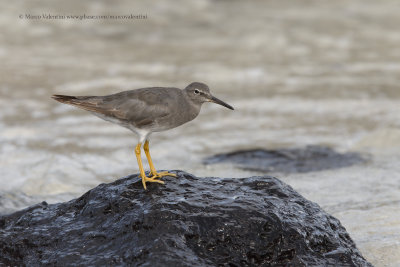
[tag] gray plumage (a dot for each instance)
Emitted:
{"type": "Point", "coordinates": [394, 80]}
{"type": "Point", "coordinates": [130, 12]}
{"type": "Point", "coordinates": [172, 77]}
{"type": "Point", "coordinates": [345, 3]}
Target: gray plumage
{"type": "Point", "coordinates": [147, 110]}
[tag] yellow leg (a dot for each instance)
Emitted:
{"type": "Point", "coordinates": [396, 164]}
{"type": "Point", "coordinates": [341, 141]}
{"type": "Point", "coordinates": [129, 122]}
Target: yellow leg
{"type": "Point", "coordinates": [153, 171]}
{"type": "Point", "coordinates": [142, 174]}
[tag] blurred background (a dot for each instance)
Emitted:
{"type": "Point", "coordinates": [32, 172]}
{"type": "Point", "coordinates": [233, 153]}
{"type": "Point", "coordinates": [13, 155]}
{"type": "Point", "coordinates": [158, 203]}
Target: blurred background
{"type": "Point", "coordinates": [305, 72]}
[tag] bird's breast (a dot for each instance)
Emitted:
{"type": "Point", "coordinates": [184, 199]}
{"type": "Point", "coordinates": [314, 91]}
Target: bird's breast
{"type": "Point", "coordinates": [180, 115]}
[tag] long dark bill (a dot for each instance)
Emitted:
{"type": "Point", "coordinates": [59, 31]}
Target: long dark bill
{"type": "Point", "coordinates": [220, 102]}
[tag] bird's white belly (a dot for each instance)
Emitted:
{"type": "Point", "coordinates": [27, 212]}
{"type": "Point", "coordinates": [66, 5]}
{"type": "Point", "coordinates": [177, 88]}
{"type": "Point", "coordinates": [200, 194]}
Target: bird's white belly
{"type": "Point", "coordinates": [143, 134]}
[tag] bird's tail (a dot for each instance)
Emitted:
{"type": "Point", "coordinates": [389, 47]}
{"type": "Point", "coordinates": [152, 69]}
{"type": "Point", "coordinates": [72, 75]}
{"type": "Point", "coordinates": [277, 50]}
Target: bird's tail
{"type": "Point", "coordinates": [89, 103]}
{"type": "Point", "coordinates": [65, 99]}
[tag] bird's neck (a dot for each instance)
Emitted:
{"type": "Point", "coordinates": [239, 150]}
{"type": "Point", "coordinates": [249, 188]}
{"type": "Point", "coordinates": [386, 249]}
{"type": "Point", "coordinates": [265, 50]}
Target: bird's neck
{"type": "Point", "coordinates": [193, 108]}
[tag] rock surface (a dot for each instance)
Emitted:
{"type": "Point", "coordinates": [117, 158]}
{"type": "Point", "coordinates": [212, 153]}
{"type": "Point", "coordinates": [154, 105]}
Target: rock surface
{"type": "Point", "coordinates": [293, 160]}
{"type": "Point", "coordinates": [189, 221]}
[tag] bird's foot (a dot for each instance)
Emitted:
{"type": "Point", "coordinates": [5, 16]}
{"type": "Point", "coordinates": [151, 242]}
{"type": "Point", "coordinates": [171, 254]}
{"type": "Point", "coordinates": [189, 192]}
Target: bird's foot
{"type": "Point", "coordinates": [161, 174]}
{"type": "Point", "coordinates": [151, 180]}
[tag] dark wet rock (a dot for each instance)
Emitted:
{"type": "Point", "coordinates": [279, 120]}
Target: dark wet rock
{"type": "Point", "coordinates": [189, 221]}
{"type": "Point", "coordinates": [293, 160]}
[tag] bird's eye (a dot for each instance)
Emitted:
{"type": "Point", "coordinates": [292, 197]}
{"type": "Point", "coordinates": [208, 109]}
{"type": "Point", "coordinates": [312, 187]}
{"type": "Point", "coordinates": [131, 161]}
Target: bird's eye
{"type": "Point", "coordinates": [197, 92]}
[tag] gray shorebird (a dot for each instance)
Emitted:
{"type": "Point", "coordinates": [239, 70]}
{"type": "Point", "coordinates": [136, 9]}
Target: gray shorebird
{"type": "Point", "coordinates": [147, 110]}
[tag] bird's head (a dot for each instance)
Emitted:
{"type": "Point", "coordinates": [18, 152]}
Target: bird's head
{"type": "Point", "coordinates": [200, 93]}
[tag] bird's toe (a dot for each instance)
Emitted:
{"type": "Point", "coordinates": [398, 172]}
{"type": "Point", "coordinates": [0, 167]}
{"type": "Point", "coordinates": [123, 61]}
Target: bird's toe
{"type": "Point", "coordinates": [162, 174]}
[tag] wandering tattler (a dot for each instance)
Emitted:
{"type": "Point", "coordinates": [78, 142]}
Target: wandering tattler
{"type": "Point", "coordinates": [147, 110]}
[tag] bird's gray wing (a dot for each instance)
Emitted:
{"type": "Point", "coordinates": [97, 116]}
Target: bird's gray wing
{"type": "Point", "coordinates": [140, 107]}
